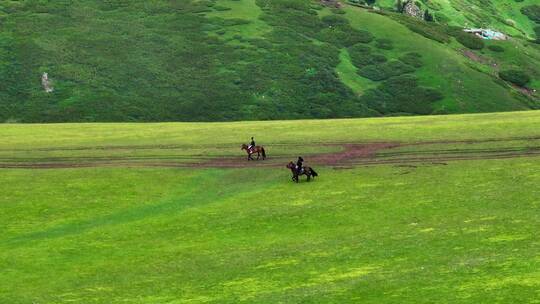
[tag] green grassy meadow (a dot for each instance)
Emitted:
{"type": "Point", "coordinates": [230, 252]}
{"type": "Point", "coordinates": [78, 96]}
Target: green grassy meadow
{"type": "Point", "coordinates": [460, 232]}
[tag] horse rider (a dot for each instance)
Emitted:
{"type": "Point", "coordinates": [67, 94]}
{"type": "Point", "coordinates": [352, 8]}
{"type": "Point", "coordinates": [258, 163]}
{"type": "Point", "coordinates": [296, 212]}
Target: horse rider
{"type": "Point", "coordinates": [299, 165]}
{"type": "Point", "coordinates": [251, 144]}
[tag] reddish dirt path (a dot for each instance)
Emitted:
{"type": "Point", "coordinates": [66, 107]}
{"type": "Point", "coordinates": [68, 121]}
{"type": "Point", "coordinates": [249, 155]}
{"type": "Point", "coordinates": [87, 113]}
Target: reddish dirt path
{"type": "Point", "coordinates": [349, 153]}
{"type": "Point", "coordinates": [352, 154]}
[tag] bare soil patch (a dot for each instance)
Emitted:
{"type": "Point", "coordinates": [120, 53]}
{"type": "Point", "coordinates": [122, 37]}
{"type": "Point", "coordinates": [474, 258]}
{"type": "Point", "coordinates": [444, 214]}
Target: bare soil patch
{"type": "Point", "coordinates": [350, 155]}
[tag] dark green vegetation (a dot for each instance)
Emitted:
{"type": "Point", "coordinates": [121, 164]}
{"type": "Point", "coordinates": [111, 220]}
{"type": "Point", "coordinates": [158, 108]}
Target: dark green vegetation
{"type": "Point", "coordinates": [516, 77]}
{"type": "Point", "coordinates": [496, 48]}
{"type": "Point", "coordinates": [532, 11]}
{"type": "Point", "coordinates": [217, 60]}
{"type": "Point", "coordinates": [446, 231]}
{"type": "Point", "coordinates": [470, 41]}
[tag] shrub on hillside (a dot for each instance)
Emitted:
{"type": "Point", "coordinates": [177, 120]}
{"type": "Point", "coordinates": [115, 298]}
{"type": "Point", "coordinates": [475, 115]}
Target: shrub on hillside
{"type": "Point", "coordinates": [385, 44]}
{"type": "Point", "coordinates": [496, 48]}
{"type": "Point", "coordinates": [441, 18]}
{"type": "Point", "coordinates": [344, 35]}
{"type": "Point", "coordinates": [333, 20]}
{"type": "Point", "coordinates": [516, 77]}
{"type": "Point", "coordinates": [413, 59]}
{"type": "Point", "coordinates": [470, 41]}
{"type": "Point", "coordinates": [360, 36]}
{"type": "Point", "coordinates": [431, 31]}
{"type": "Point", "coordinates": [360, 48]}
{"type": "Point", "coordinates": [375, 72]}
{"type": "Point", "coordinates": [532, 12]}
{"type": "Point", "coordinates": [361, 56]}
{"type": "Point", "coordinates": [299, 20]}
{"type": "Point", "coordinates": [371, 59]}
{"type": "Point", "coordinates": [378, 72]}
{"type": "Point", "coordinates": [221, 8]}
{"type": "Point", "coordinates": [260, 43]}
{"type": "Point", "coordinates": [234, 22]}
{"type": "Point", "coordinates": [338, 11]}
{"type": "Point", "coordinates": [401, 95]}
{"type": "Point", "coordinates": [428, 16]}
{"type": "Point", "coordinates": [436, 6]}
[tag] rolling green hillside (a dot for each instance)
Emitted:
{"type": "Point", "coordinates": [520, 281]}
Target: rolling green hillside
{"type": "Point", "coordinates": [447, 212]}
{"type": "Point", "coordinates": [220, 60]}
{"type": "Point", "coordinates": [502, 15]}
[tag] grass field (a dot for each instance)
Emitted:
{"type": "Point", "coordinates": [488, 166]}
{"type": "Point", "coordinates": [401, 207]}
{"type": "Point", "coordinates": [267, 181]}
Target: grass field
{"type": "Point", "coordinates": [448, 215]}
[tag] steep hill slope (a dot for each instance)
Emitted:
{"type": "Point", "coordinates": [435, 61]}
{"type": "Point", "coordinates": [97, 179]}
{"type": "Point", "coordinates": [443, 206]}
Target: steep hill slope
{"type": "Point", "coordinates": [502, 15]}
{"type": "Point", "coordinates": [215, 60]}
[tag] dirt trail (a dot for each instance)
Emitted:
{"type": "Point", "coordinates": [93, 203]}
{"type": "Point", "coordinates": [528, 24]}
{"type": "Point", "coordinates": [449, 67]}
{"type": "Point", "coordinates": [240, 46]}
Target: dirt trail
{"type": "Point", "coordinates": [351, 154]}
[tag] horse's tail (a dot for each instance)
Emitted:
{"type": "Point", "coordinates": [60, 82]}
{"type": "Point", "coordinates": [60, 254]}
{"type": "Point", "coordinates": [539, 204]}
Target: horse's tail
{"type": "Point", "coordinates": [314, 173]}
{"type": "Point", "coordinates": [263, 152]}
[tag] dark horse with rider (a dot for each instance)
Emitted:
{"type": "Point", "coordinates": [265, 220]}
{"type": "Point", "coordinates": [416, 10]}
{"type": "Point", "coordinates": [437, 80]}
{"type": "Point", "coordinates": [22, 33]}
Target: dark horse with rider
{"type": "Point", "coordinates": [299, 169]}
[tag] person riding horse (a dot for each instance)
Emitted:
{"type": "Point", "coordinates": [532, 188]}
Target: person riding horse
{"type": "Point", "coordinates": [251, 145]}
{"type": "Point", "coordinates": [299, 165]}
{"type": "Point", "coordinates": [298, 169]}
{"type": "Point", "coordinates": [252, 149]}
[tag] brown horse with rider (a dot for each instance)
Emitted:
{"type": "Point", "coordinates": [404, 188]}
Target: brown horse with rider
{"type": "Point", "coordinates": [252, 149]}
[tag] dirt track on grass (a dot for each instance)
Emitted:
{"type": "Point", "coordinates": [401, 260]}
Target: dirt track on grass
{"type": "Point", "coordinates": [350, 155]}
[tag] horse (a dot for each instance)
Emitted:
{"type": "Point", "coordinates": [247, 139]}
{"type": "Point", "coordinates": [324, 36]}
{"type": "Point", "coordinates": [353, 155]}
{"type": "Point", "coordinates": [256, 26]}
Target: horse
{"type": "Point", "coordinates": [257, 149]}
{"type": "Point", "coordinates": [307, 171]}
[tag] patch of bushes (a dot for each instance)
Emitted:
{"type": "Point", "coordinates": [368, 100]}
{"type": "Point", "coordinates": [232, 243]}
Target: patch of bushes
{"type": "Point", "coordinates": [428, 16]}
{"type": "Point", "coordinates": [441, 18]}
{"type": "Point", "coordinates": [234, 22]}
{"type": "Point", "coordinates": [401, 95]}
{"type": "Point", "coordinates": [338, 11]}
{"type": "Point", "coordinates": [468, 40]}
{"type": "Point", "coordinates": [220, 8]}
{"type": "Point", "coordinates": [334, 20]}
{"type": "Point", "coordinates": [261, 43]}
{"type": "Point", "coordinates": [431, 31]}
{"type": "Point", "coordinates": [496, 48]}
{"type": "Point", "coordinates": [516, 77]}
{"type": "Point", "coordinates": [378, 72]}
{"type": "Point", "coordinates": [383, 43]}
{"type": "Point", "coordinates": [532, 12]}
{"type": "Point", "coordinates": [298, 19]}
{"type": "Point", "coordinates": [361, 56]}
{"type": "Point", "coordinates": [413, 59]}
{"type": "Point", "coordinates": [344, 35]}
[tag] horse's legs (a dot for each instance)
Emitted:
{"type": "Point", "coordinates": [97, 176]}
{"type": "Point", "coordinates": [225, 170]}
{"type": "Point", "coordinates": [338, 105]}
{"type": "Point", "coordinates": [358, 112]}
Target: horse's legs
{"type": "Point", "coordinates": [258, 155]}
{"type": "Point", "coordinates": [308, 177]}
